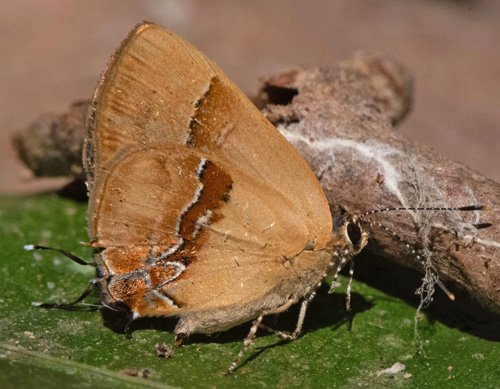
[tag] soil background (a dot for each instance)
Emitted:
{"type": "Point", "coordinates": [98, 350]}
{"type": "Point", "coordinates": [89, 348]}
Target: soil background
{"type": "Point", "coordinates": [53, 51]}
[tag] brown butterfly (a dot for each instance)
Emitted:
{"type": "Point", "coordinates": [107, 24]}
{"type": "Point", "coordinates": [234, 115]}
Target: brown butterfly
{"type": "Point", "coordinates": [199, 207]}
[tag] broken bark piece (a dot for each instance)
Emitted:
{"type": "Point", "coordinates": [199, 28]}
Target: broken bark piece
{"type": "Point", "coordinates": [52, 145]}
{"type": "Point", "coordinates": [341, 120]}
{"type": "Point", "coordinates": [164, 351]}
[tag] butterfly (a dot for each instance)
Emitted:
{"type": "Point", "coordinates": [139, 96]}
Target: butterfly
{"type": "Point", "coordinates": [198, 207]}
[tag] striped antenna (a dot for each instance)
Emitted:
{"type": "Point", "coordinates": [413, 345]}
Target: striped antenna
{"type": "Point", "coordinates": [467, 208]}
{"type": "Point", "coordinates": [409, 246]}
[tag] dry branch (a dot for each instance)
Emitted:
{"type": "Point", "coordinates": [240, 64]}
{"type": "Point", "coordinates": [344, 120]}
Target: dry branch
{"type": "Point", "coordinates": [341, 120]}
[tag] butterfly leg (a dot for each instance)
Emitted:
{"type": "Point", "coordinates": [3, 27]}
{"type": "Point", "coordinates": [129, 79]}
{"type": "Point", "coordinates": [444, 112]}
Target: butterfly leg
{"type": "Point", "coordinates": [349, 286]}
{"type": "Point", "coordinates": [253, 330]}
{"type": "Point", "coordinates": [127, 328]}
{"type": "Point", "coordinates": [302, 314]}
{"type": "Point", "coordinates": [246, 343]}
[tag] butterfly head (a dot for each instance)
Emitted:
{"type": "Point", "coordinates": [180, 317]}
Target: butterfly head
{"type": "Point", "coordinates": [350, 234]}
{"type": "Point", "coordinates": [349, 239]}
{"type": "Point", "coordinates": [354, 233]}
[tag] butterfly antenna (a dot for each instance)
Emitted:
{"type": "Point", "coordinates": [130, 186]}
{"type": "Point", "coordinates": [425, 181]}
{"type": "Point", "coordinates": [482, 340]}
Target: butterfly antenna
{"type": "Point", "coordinates": [466, 208]}
{"type": "Point", "coordinates": [450, 295]}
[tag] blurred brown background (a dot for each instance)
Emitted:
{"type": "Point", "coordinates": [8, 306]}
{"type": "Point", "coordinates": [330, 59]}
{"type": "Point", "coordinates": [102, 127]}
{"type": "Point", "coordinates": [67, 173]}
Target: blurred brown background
{"type": "Point", "coordinates": [53, 51]}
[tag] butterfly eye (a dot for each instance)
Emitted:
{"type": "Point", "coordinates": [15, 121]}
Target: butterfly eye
{"type": "Point", "coordinates": [353, 233]}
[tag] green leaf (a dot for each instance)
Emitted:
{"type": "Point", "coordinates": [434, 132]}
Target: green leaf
{"type": "Point", "coordinates": [47, 348]}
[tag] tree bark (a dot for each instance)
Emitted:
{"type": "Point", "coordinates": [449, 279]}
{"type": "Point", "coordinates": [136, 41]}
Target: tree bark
{"type": "Point", "coordinates": [342, 120]}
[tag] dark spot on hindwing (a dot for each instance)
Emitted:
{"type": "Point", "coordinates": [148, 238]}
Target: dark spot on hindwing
{"type": "Point", "coordinates": [214, 189]}
{"type": "Point", "coordinates": [212, 192]}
